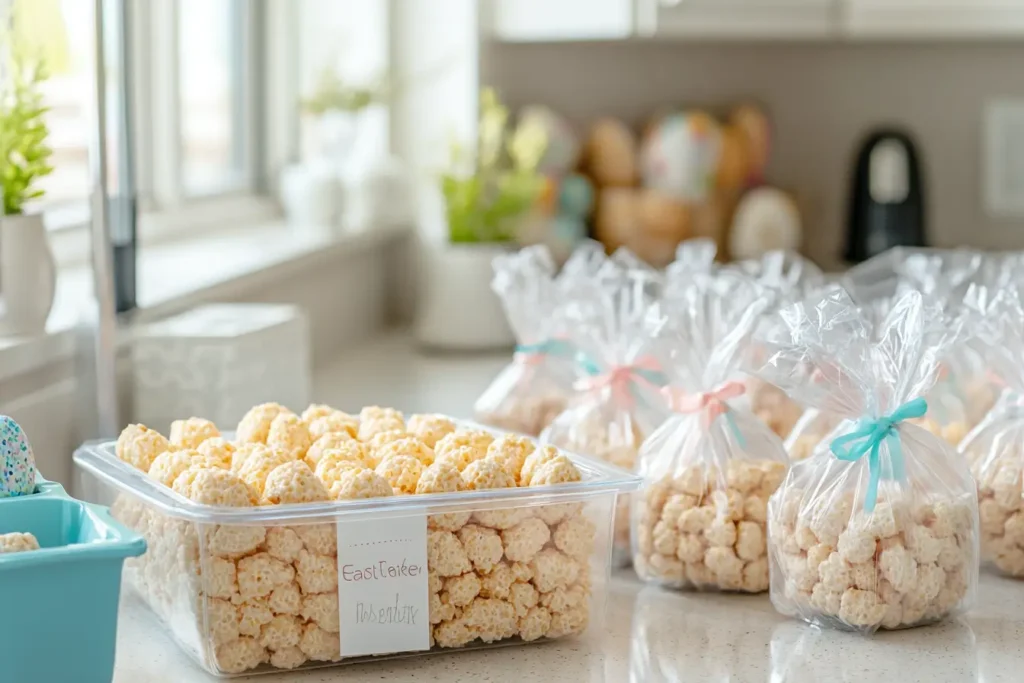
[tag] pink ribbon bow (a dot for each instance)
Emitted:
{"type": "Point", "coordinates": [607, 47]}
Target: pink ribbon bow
{"type": "Point", "coordinates": [711, 403]}
{"type": "Point", "coordinates": [619, 377]}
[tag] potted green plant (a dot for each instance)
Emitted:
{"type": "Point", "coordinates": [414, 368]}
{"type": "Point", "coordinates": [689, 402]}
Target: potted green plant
{"type": "Point", "coordinates": [315, 191]}
{"type": "Point", "coordinates": [489, 196]}
{"type": "Point", "coordinates": [333, 113]}
{"type": "Point", "coordinates": [27, 268]}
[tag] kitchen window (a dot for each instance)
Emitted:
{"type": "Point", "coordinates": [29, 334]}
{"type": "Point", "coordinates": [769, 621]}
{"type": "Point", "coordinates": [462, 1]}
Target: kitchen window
{"type": "Point", "coordinates": [200, 88]}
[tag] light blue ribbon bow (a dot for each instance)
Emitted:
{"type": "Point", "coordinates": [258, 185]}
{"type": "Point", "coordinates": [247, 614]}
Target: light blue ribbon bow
{"type": "Point", "coordinates": [551, 347]}
{"type": "Point", "coordinates": [867, 440]}
{"type": "Point", "coordinates": [641, 370]}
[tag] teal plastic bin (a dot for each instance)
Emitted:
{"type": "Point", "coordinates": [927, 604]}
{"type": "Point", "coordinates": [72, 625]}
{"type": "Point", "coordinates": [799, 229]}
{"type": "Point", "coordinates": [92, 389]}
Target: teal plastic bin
{"type": "Point", "coordinates": [60, 603]}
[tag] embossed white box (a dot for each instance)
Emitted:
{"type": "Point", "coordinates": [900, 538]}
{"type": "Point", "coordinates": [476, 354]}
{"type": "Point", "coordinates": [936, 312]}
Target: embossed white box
{"type": "Point", "coordinates": [217, 361]}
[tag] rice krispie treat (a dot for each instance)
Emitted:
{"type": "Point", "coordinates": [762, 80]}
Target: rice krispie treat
{"type": "Point", "coordinates": [289, 433]}
{"type": "Point", "coordinates": [1001, 509]}
{"type": "Point", "coordinates": [192, 432]}
{"type": "Point", "coordinates": [321, 419]}
{"type": "Point", "coordinates": [374, 420]}
{"type": "Point", "coordinates": [17, 542]}
{"type": "Point", "coordinates": [255, 424]}
{"type": "Point", "coordinates": [407, 446]}
{"type": "Point", "coordinates": [951, 432]}
{"type": "Point", "coordinates": [332, 440]}
{"type": "Point", "coordinates": [476, 440]}
{"type": "Point", "coordinates": [430, 428]}
{"type": "Point", "coordinates": [138, 445]}
{"type": "Point", "coordinates": [219, 450]}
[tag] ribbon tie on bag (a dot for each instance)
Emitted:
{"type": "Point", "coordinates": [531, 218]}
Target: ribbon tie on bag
{"type": "Point", "coordinates": [867, 440]}
{"type": "Point", "coordinates": [533, 354]}
{"type": "Point", "coordinates": [711, 403]}
{"type": "Point", "coordinates": [619, 378]}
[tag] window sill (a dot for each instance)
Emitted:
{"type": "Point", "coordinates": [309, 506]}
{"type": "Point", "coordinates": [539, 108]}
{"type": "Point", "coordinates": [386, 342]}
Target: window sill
{"type": "Point", "coordinates": [176, 275]}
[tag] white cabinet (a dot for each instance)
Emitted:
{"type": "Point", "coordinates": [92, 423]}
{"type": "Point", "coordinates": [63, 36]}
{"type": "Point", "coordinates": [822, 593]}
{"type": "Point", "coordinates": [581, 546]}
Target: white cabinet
{"type": "Point", "coordinates": [742, 19]}
{"type": "Point", "coordinates": [572, 20]}
{"type": "Point", "coordinates": [933, 19]}
{"type": "Point", "coordinates": [560, 20]}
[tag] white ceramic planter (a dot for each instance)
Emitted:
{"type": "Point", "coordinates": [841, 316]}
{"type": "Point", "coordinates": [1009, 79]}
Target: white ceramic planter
{"type": "Point", "coordinates": [28, 275]}
{"type": "Point", "coordinates": [457, 310]}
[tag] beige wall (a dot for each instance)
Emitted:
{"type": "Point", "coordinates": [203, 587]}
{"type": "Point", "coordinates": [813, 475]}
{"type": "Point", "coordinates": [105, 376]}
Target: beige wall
{"type": "Point", "coordinates": [822, 99]}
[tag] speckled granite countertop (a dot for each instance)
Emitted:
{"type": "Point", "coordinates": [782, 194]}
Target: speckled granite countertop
{"type": "Point", "coordinates": [647, 635]}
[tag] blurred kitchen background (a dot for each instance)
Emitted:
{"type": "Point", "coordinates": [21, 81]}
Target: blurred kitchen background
{"type": "Point", "coordinates": [307, 175]}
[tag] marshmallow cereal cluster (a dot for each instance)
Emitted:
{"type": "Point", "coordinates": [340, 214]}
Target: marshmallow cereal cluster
{"type": "Point", "coordinates": [617, 441]}
{"type": "Point", "coordinates": [905, 563]}
{"type": "Point", "coordinates": [244, 596]}
{"type": "Point", "coordinates": [705, 528]}
{"type": "Point", "coordinates": [17, 542]}
{"type": "Point", "coordinates": [1001, 509]}
{"type": "Point", "coordinates": [952, 433]}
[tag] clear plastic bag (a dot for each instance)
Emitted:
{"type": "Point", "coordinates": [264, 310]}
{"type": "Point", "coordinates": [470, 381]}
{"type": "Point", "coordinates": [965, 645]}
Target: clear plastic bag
{"type": "Point", "coordinates": [808, 432]}
{"type": "Point", "coordinates": [710, 468]}
{"type": "Point", "coordinates": [995, 448]}
{"type": "Point", "coordinates": [785, 278]}
{"type": "Point", "coordinates": [879, 527]}
{"type": "Point", "coordinates": [617, 401]}
{"type": "Point", "coordinates": [534, 388]}
{"type": "Point", "coordinates": [693, 256]}
{"type": "Point", "coordinates": [962, 393]}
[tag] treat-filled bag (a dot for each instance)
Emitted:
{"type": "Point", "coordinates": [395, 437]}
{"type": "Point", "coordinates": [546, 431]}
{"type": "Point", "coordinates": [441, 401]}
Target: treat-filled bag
{"type": "Point", "coordinates": [531, 390]}
{"type": "Point", "coordinates": [878, 529]}
{"type": "Point", "coordinates": [963, 392]}
{"type": "Point", "coordinates": [785, 277]}
{"type": "Point", "coordinates": [617, 401]}
{"type": "Point", "coordinates": [710, 468]}
{"type": "Point", "coordinates": [693, 256]}
{"type": "Point", "coordinates": [814, 424]}
{"type": "Point", "coordinates": [959, 398]}
{"type": "Point", "coordinates": [995, 448]}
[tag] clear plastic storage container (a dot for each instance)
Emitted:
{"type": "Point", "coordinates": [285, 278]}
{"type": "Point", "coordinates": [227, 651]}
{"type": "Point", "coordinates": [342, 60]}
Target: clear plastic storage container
{"type": "Point", "coordinates": [249, 590]}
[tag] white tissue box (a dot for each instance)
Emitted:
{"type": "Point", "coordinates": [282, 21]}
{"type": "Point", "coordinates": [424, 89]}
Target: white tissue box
{"type": "Point", "coordinates": [219, 360]}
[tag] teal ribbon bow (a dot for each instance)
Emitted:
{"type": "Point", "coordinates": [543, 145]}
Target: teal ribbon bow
{"type": "Point", "coordinates": [867, 440]}
{"type": "Point", "coordinates": [641, 370]}
{"type": "Point", "coordinates": [551, 347]}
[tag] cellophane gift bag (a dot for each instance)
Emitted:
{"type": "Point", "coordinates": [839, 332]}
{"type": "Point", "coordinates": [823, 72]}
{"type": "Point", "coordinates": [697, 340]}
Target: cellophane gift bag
{"type": "Point", "coordinates": [693, 256]}
{"type": "Point", "coordinates": [699, 522]}
{"type": "Point", "coordinates": [878, 529]}
{"type": "Point", "coordinates": [617, 400]}
{"type": "Point", "coordinates": [995, 448]}
{"type": "Point", "coordinates": [963, 390]}
{"type": "Point", "coordinates": [531, 390]}
{"type": "Point", "coordinates": [785, 277]}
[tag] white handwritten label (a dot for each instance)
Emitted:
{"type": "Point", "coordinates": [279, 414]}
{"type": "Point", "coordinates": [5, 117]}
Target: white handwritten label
{"type": "Point", "coordinates": [382, 586]}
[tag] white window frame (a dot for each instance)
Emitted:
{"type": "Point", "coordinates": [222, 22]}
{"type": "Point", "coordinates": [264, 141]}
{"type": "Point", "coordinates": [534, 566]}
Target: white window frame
{"type": "Point", "coordinates": [269, 75]}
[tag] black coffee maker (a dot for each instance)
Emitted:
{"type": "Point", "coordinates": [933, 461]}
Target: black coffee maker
{"type": "Point", "coordinates": [887, 198]}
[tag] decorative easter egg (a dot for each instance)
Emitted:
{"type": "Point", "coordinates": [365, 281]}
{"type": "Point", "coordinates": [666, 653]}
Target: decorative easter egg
{"type": "Point", "coordinates": [17, 464]}
{"type": "Point", "coordinates": [563, 145]}
{"type": "Point", "coordinates": [679, 156]}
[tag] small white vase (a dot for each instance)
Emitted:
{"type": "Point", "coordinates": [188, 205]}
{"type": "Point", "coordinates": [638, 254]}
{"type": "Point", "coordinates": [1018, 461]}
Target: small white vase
{"type": "Point", "coordinates": [28, 275]}
{"type": "Point", "coordinates": [457, 310]}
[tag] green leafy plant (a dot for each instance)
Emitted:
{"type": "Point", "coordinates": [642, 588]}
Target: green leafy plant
{"type": "Point", "coordinates": [24, 152]}
{"type": "Point", "coordinates": [487, 195]}
{"type": "Point", "coordinates": [333, 94]}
